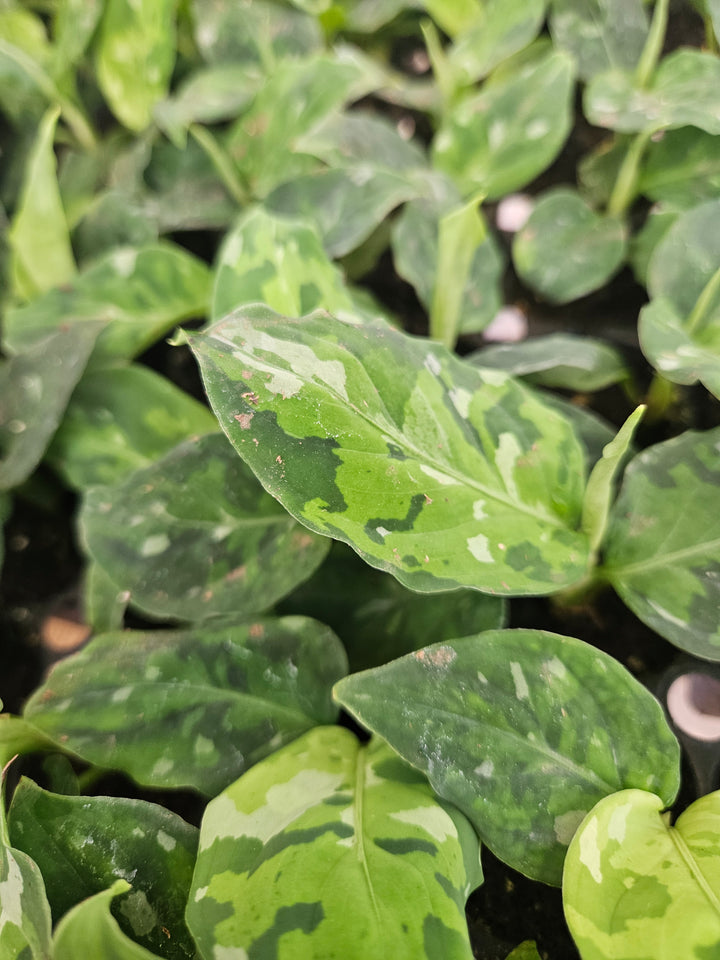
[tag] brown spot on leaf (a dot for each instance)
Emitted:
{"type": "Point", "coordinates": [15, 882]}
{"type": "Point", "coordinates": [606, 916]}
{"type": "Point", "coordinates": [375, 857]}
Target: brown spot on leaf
{"type": "Point", "coordinates": [239, 573]}
{"type": "Point", "coordinates": [256, 630]}
{"type": "Point", "coordinates": [244, 420]}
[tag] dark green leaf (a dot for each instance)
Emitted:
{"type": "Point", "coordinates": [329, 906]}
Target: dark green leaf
{"type": "Point", "coordinates": [682, 167]}
{"type": "Point", "coordinates": [523, 730]}
{"type": "Point", "coordinates": [244, 32]}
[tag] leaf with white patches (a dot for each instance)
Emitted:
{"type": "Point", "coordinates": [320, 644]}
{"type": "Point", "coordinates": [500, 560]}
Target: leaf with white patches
{"type": "Point", "coordinates": [636, 887]}
{"type": "Point", "coordinates": [193, 708]}
{"type": "Point", "coordinates": [523, 730]}
{"type": "Point", "coordinates": [331, 848]}
{"type": "Point", "coordinates": [389, 442]}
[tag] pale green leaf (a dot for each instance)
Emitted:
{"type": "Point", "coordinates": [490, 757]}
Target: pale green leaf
{"type": "Point", "coordinates": [453, 16]}
{"type": "Point", "coordinates": [357, 137]}
{"type": "Point", "coordinates": [523, 730]}
{"type": "Point", "coordinates": [74, 23]}
{"type": "Point", "coordinates": [42, 257]}
{"type": "Point", "coordinates": [104, 604]}
{"type": "Point", "coordinates": [253, 32]}
{"type": "Point", "coordinates": [440, 474]}
{"type": "Point", "coordinates": [681, 167]}
{"type": "Point", "coordinates": [24, 60]}
{"type": "Point", "coordinates": [135, 56]}
{"type": "Point", "coordinates": [24, 910]}
{"type": "Point", "coordinates": [195, 708]}
{"type": "Point", "coordinates": [527, 950]}
{"type": "Point", "coordinates": [636, 887]}
{"type": "Point", "coordinates": [18, 736]}
{"type": "Point", "coordinates": [499, 29]}
{"type": "Point", "coordinates": [677, 353]}
{"type": "Point", "coordinates": [333, 848]}
{"type": "Point", "coordinates": [600, 34]}
{"type": "Point", "coordinates": [662, 550]}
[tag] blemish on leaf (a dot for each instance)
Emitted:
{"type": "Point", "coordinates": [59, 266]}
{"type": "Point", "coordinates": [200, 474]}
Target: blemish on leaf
{"type": "Point", "coordinates": [244, 420]}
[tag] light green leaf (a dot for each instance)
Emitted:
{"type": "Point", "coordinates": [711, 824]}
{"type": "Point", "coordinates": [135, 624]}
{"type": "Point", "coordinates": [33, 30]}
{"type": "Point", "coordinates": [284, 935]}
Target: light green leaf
{"type": "Point", "coordinates": [599, 169]}
{"type": "Point", "coordinates": [642, 245]}
{"type": "Point", "coordinates": [684, 91]}
{"type": "Point", "coordinates": [523, 730]}
{"type": "Point", "coordinates": [103, 604]}
{"type": "Point", "coordinates": [662, 550]}
{"type": "Point", "coordinates": [39, 240]}
{"type": "Point", "coordinates": [636, 887]}
{"type": "Point", "coordinates": [279, 262]}
{"type": "Point", "coordinates": [594, 432]}
{"type": "Point", "coordinates": [348, 138]}
{"type": "Point", "coordinates": [81, 844]}
{"type": "Point", "coordinates": [501, 138]}
{"type": "Point", "coordinates": [527, 950]}
{"type": "Point", "coordinates": [35, 387]}
{"type": "Point", "coordinates": [329, 847]}
{"type": "Point", "coordinates": [453, 16]}
{"type": "Point", "coordinates": [564, 360]}
{"type": "Point", "coordinates": [24, 910]}
{"type": "Point", "coordinates": [600, 485]}
{"type": "Point", "coordinates": [253, 32]}
{"type": "Point", "coordinates": [194, 535]}
{"type": "Point", "coordinates": [682, 167]}
{"type": "Point", "coordinates": [368, 16]}
{"type": "Point", "coordinates": [196, 707]}
{"type": "Point", "coordinates": [73, 26]}
{"type": "Point", "coordinates": [499, 29]}
{"type": "Point", "coordinates": [135, 56]}
{"type": "Point", "coordinates": [17, 736]}
{"type": "Point", "coordinates": [24, 59]}
{"type": "Point", "coordinates": [114, 218]}
{"type": "Point", "coordinates": [89, 929]}
{"type": "Point", "coordinates": [600, 34]}
{"type": "Point", "coordinates": [679, 354]}
{"type": "Point", "coordinates": [565, 250]}
{"type": "Point", "coordinates": [377, 618]}
{"type": "Point", "coordinates": [121, 419]}
{"type": "Point", "coordinates": [139, 293]}
{"type": "Point", "coordinates": [441, 475]}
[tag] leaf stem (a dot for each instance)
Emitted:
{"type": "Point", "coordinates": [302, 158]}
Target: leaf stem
{"type": "Point", "coordinates": [222, 163]}
{"type": "Point", "coordinates": [703, 303]}
{"type": "Point", "coordinates": [653, 45]}
{"type": "Point", "coordinates": [661, 395]}
{"type": "Point", "coordinates": [625, 186]}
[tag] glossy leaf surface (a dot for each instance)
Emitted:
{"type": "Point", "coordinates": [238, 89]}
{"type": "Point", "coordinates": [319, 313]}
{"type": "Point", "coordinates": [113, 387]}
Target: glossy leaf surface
{"type": "Point", "coordinates": [662, 551]}
{"type": "Point", "coordinates": [636, 887]}
{"type": "Point", "coordinates": [441, 475]}
{"type": "Point", "coordinates": [196, 707]}
{"type": "Point", "coordinates": [194, 535]}
{"type": "Point", "coordinates": [523, 730]}
{"type": "Point", "coordinates": [333, 847]}
{"type": "Point", "coordinates": [140, 293]}
{"type": "Point", "coordinates": [565, 250]}
{"type": "Point", "coordinates": [82, 844]}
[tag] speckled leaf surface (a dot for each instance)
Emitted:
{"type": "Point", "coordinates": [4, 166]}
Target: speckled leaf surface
{"type": "Point", "coordinates": [440, 474]}
{"type": "Point", "coordinates": [499, 29]}
{"type": "Point", "coordinates": [90, 930]}
{"type": "Point", "coordinates": [120, 419]}
{"type": "Point", "coordinates": [194, 708]}
{"type": "Point", "coordinates": [277, 261]}
{"type": "Point", "coordinates": [523, 730]}
{"type": "Point", "coordinates": [684, 91]}
{"type": "Point", "coordinates": [635, 887]}
{"type": "Point", "coordinates": [600, 34]}
{"type": "Point", "coordinates": [135, 56]}
{"type": "Point", "coordinates": [662, 550]}
{"type": "Point", "coordinates": [333, 848]}
{"type": "Point", "coordinates": [194, 535]}
{"type": "Point", "coordinates": [501, 138]}
{"type": "Point", "coordinates": [82, 844]}
{"type": "Point", "coordinates": [140, 293]}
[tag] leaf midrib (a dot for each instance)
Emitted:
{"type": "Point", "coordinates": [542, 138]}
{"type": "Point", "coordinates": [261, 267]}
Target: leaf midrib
{"type": "Point", "coordinates": [692, 865]}
{"type": "Point", "coordinates": [662, 559]}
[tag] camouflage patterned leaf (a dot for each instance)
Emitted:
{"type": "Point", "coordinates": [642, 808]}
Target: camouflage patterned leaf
{"type": "Point", "coordinates": [141, 293]}
{"type": "Point", "coordinates": [439, 474]}
{"type": "Point", "coordinates": [662, 550]}
{"type": "Point", "coordinates": [276, 261]}
{"type": "Point", "coordinates": [135, 56]}
{"type": "Point", "coordinates": [121, 419]}
{"type": "Point", "coordinates": [194, 535]}
{"type": "Point", "coordinates": [501, 138]}
{"type": "Point", "coordinates": [330, 848]}
{"type": "Point", "coordinates": [194, 708]}
{"type": "Point", "coordinates": [24, 910]}
{"type": "Point", "coordinates": [82, 844]}
{"type": "Point", "coordinates": [523, 730]}
{"type": "Point", "coordinates": [89, 929]}
{"type": "Point", "coordinates": [636, 887]}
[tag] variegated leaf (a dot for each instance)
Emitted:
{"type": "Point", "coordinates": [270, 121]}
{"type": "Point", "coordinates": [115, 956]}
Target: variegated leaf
{"type": "Point", "coordinates": [441, 474]}
{"type": "Point", "coordinates": [330, 848]}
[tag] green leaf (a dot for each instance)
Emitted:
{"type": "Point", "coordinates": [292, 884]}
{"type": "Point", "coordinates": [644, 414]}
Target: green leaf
{"type": "Point", "coordinates": [636, 887]}
{"type": "Point", "coordinates": [523, 730]}
{"type": "Point", "coordinates": [415, 246]}
{"type": "Point", "coordinates": [499, 29]}
{"type": "Point", "coordinates": [377, 618]}
{"type": "Point", "coordinates": [565, 250]}
{"type": "Point", "coordinates": [681, 167]}
{"type": "Point", "coordinates": [565, 360]}
{"type": "Point", "coordinates": [329, 847]}
{"type": "Point", "coordinates": [139, 293]}
{"type": "Point", "coordinates": [121, 419]}
{"type": "Point", "coordinates": [453, 16]}
{"type": "Point", "coordinates": [349, 138]}
{"type": "Point", "coordinates": [600, 34]}
{"type": "Point", "coordinates": [677, 353]}
{"type": "Point", "coordinates": [135, 56]}
{"type": "Point", "coordinates": [662, 551]}
{"type": "Point", "coordinates": [24, 910]}
{"type": "Point", "coordinates": [642, 246]}
{"type": "Point", "coordinates": [684, 91]}
{"type": "Point", "coordinates": [601, 482]}
{"type": "Point", "coordinates": [17, 736]}
{"type": "Point", "coordinates": [279, 262]}
{"type": "Point", "coordinates": [103, 604]}
{"type": "Point", "coordinates": [24, 58]}
{"type": "Point", "coordinates": [38, 236]}
{"type": "Point", "coordinates": [194, 535]}
{"type": "Point", "coordinates": [35, 387]}
{"type": "Point", "coordinates": [527, 950]}
{"type": "Point", "coordinates": [439, 474]}
{"type": "Point", "coordinates": [501, 138]}
{"type": "Point", "coordinates": [74, 24]}
{"type": "Point", "coordinates": [196, 707]}
{"type": "Point", "coordinates": [82, 844]}
{"type": "Point", "coordinates": [89, 929]}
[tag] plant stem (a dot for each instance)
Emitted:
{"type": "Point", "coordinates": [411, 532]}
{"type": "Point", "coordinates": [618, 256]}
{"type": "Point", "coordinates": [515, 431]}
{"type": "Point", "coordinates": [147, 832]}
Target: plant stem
{"type": "Point", "coordinates": [624, 188]}
{"type": "Point", "coordinates": [660, 397]}
{"type": "Point", "coordinates": [711, 41]}
{"type": "Point", "coordinates": [703, 303]}
{"type": "Point", "coordinates": [653, 45]}
{"type": "Point", "coordinates": [222, 163]}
